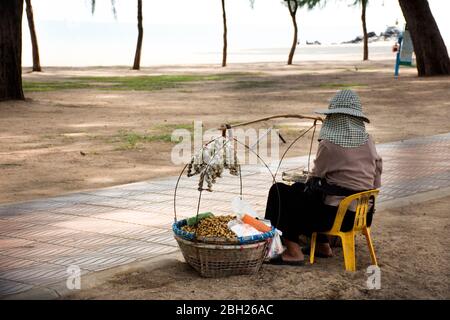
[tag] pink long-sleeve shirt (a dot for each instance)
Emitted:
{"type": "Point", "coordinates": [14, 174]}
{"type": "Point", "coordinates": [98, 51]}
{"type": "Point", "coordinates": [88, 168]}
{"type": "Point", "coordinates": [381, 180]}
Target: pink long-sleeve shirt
{"type": "Point", "coordinates": [357, 168]}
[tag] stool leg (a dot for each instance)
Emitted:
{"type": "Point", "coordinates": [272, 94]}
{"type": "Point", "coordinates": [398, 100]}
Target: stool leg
{"type": "Point", "coordinates": [366, 232]}
{"type": "Point", "coordinates": [312, 247]}
{"type": "Point", "coordinates": [348, 246]}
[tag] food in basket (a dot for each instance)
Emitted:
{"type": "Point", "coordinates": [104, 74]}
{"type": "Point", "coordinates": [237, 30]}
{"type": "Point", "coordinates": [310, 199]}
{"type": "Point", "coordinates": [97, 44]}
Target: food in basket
{"type": "Point", "coordinates": [212, 227]}
{"type": "Point", "coordinates": [211, 161]}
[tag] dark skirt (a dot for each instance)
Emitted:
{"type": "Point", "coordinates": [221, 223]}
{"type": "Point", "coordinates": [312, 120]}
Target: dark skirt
{"type": "Point", "coordinates": [296, 213]}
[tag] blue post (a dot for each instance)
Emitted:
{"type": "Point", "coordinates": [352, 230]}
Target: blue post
{"type": "Point", "coordinates": [397, 62]}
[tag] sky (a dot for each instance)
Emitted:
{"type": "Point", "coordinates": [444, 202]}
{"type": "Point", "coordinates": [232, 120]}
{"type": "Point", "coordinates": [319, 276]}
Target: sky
{"type": "Point", "coordinates": [180, 31]}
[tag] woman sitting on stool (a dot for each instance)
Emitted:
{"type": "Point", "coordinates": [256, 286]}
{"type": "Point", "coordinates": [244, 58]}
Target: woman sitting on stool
{"type": "Point", "coordinates": [346, 163]}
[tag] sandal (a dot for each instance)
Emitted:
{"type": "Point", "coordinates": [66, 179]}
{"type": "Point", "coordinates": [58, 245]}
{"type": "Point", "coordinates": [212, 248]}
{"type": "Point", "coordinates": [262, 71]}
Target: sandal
{"type": "Point", "coordinates": [278, 260]}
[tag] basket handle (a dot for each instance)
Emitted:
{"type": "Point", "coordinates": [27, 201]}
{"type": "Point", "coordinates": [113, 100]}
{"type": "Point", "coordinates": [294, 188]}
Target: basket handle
{"type": "Point", "coordinates": [179, 178]}
{"type": "Point", "coordinates": [294, 141]}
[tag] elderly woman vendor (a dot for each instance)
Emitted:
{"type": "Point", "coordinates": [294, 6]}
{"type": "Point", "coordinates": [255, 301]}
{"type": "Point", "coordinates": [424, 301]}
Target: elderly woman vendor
{"type": "Point", "coordinates": [346, 163]}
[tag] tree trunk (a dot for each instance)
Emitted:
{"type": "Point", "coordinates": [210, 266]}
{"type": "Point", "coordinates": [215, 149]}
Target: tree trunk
{"type": "Point", "coordinates": [11, 49]}
{"type": "Point", "coordinates": [293, 12]}
{"type": "Point", "coordinates": [364, 25]}
{"type": "Point", "coordinates": [225, 44]}
{"type": "Point", "coordinates": [137, 56]}
{"type": "Point", "coordinates": [431, 54]}
{"type": "Point", "coordinates": [34, 43]}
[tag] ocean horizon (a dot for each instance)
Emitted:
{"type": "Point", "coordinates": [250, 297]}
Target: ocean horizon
{"type": "Point", "coordinates": [77, 45]}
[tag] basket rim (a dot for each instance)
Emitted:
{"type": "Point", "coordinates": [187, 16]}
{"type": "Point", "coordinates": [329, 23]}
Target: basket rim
{"type": "Point", "coordinates": [189, 236]}
{"type": "Point", "coordinates": [231, 246]}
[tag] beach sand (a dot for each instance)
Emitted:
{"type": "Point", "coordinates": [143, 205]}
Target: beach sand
{"type": "Point", "coordinates": [62, 141]}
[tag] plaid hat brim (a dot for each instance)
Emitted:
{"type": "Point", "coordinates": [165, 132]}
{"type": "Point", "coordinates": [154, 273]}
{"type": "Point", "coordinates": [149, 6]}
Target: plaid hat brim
{"type": "Point", "coordinates": [351, 112]}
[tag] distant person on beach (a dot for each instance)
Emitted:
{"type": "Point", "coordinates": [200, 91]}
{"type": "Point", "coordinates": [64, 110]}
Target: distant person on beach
{"type": "Point", "coordinates": [346, 163]}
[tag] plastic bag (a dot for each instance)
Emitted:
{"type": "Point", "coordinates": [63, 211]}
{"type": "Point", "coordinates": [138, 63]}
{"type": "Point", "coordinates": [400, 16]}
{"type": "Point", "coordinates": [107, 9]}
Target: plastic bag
{"type": "Point", "coordinates": [276, 246]}
{"type": "Point", "coordinates": [241, 207]}
{"type": "Point", "coordinates": [242, 229]}
{"type": "Point", "coordinates": [247, 215]}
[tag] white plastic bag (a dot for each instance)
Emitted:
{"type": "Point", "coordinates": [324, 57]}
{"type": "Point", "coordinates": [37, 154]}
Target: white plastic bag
{"type": "Point", "coordinates": [241, 207]}
{"type": "Point", "coordinates": [242, 229]}
{"type": "Point", "coordinates": [276, 246]}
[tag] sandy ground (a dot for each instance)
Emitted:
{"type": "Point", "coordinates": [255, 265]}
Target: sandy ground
{"type": "Point", "coordinates": [411, 245]}
{"type": "Point", "coordinates": [66, 140]}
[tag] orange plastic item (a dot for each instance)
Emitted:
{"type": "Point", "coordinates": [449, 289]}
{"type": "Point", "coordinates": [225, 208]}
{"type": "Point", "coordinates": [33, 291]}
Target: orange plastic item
{"type": "Point", "coordinates": [255, 223]}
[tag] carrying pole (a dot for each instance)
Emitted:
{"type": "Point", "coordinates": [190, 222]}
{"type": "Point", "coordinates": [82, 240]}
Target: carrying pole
{"type": "Point", "coordinates": [297, 116]}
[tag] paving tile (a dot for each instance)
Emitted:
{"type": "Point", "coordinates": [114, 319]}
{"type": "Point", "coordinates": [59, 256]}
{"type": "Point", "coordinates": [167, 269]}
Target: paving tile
{"type": "Point", "coordinates": [77, 198]}
{"type": "Point", "coordinates": [11, 263]}
{"type": "Point", "coordinates": [39, 251]}
{"type": "Point", "coordinates": [40, 274]}
{"type": "Point", "coordinates": [94, 261]}
{"type": "Point", "coordinates": [143, 252]}
{"type": "Point", "coordinates": [14, 210]}
{"type": "Point", "coordinates": [7, 242]}
{"type": "Point", "coordinates": [11, 226]}
{"type": "Point", "coordinates": [84, 209]}
{"type": "Point", "coordinates": [137, 217]}
{"type": "Point", "coordinates": [35, 205]}
{"type": "Point", "coordinates": [115, 202]}
{"type": "Point", "coordinates": [38, 217]}
{"type": "Point", "coordinates": [115, 193]}
{"type": "Point", "coordinates": [93, 225]}
{"type": "Point", "coordinates": [87, 241]}
{"type": "Point", "coordinates": [39, 232]}
{"type": "Point", "coordinates": [8, 287]}
{"type": "Point", "coordinates": [139, 233]}
{"type": "Point", "coordinates": [152, 197]}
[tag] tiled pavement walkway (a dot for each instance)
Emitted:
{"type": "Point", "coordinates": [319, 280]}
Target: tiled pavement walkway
{"type": "Point", "coordinates": [114, 226]}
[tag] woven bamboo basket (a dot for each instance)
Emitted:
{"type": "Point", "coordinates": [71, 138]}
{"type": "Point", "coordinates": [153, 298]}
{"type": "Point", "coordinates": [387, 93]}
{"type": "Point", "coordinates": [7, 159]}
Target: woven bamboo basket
{"type": "Point", "coordinates": [217, 257]}
{"type": "Point", "coordinates": [214, 260]}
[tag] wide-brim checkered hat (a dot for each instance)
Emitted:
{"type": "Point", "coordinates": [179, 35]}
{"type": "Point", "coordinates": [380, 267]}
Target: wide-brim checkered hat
{"type": "Point", "coordinates": [345, 102]}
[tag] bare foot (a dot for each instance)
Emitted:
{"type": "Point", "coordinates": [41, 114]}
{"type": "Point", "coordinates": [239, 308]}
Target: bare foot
{"type": "Point", "coordinates": [293, 251]}
{"type": "Point", "coordinates": [324, 249]}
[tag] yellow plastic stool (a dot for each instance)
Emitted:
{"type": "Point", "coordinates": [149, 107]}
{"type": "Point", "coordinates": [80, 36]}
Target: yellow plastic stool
{"type": "Point", "coordinates": [360, 224]}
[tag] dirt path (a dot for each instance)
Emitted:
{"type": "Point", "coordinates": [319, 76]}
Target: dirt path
{"type": "Point", "coordinates": [410, 243]}
{"type": "Point", "coordinates": [95, 135]}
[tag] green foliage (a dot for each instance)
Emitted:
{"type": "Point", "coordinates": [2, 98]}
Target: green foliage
{"type": "Point", "coordinates": [359, 2]}
{"type": "Point", "coordinates": [160, 133]}
{"type": "Point", "coordinates": [41, 86]}
{"type": "Point", "coordinates": [310, 4]}
{"type": "Point", "coordinates": [169, 127]}
{"type": "Point", "coordinates": [145, 83]}
{"type": "Point", "coordinates": [131, 139]}
{"type": "Point", "coordinates": [140, 83]}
